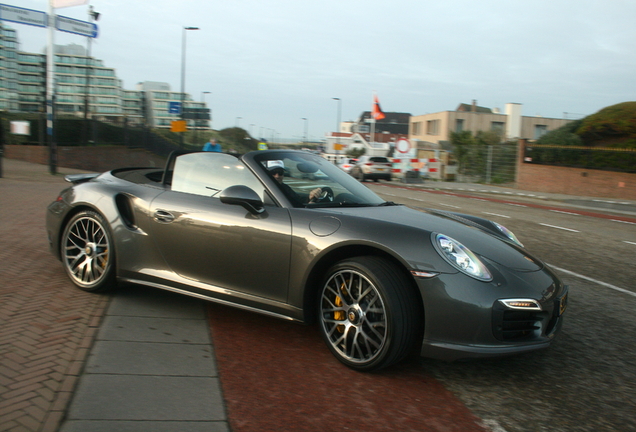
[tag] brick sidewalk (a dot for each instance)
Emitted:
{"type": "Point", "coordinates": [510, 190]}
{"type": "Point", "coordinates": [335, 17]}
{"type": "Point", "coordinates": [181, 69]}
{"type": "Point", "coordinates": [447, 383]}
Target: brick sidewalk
{"type": "Point", "coordinates": [46, 324]}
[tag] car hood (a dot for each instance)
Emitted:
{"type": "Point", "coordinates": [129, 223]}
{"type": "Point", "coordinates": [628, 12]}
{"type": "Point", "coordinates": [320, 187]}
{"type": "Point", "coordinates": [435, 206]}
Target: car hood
{"type": "Point", "coordinates": [475, 237]}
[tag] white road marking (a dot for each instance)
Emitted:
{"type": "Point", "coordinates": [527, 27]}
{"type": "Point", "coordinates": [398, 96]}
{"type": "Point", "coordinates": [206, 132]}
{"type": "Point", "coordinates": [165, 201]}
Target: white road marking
{"type": "Point", "coordinates": [564, 212]}
{"type": "Point", "coordinates": [516, 205]}
{"type": "Point", "coordinates": [628, 242]}
{"type": "Point", "coordinates": [496, 214]}
{"type": "Point", "coordinates": [448, 205]}
{"type": "Point", "coordinates": [558, 227]}
{"type": "Point", "coordinates": [616, 220]}
{"type": "Point", "coordinates": [589, 279]}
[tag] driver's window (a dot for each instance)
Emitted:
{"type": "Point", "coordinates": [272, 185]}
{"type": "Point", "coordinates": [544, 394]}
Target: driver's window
{"type": "Point", "coordinates": [208, 174]}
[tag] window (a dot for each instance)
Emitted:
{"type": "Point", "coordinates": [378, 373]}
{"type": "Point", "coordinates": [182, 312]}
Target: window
{"type": "Point", "coordinates": [208, 174]}
{"type": "Point", "coordinates": [432, 127]}
{"type": "Point", "coordinates": [417, 126]}
{"type": "Point", "coordinates": [497, 126]}
{"type": "Point", "coordinates": [459, 125]}
{"type": "Point", "coordinates": [540, 130]}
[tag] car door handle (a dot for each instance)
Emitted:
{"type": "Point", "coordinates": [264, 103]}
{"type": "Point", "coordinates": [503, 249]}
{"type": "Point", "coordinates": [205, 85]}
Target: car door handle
{"type": "Point", "coordinates": [163, 216]}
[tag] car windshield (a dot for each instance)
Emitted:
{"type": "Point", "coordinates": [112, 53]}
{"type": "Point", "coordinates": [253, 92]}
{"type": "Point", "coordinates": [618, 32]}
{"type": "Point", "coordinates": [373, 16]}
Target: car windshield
{"type": "Point", "coordinates": [303, 173]}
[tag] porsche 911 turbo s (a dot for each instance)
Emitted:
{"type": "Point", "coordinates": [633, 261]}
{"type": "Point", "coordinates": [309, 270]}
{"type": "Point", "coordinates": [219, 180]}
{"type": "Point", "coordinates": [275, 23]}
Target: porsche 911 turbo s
{"type": "Point", "coordinates": [289, 234]}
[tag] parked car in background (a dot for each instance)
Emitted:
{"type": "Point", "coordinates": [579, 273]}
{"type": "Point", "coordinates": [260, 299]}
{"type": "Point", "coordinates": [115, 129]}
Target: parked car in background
{"type": "Point", "coordinates": [347, 164]}
{"type": "Point", "coordinates": [372, 168]}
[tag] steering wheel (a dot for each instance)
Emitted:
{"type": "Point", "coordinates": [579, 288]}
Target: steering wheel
{"type": "Point", "coordinates": [326, 195]}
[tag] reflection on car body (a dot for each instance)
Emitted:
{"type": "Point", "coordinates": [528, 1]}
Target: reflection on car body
{"type": "Point", "coordinates": [379, 278]}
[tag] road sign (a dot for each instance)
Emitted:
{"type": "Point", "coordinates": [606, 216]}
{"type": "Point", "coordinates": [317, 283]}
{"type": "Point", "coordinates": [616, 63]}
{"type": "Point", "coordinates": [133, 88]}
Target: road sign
{"type": "Point", "coordinates": [22, 16]}
{"type": "Point", "coordinates": [174, 107]}
{"type": "Point", "coordinates": [71, 25]}
{"type": "Point", "coordinates": [403, 145]}
{"type": "Point", "coordinates": [178, 126]}
{"type": "Point", "coordinates": [196, 113]}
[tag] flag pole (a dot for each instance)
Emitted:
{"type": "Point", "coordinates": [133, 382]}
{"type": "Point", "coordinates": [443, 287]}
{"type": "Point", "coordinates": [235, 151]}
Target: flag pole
{"type": "Point", "coordinates": [373, 121]}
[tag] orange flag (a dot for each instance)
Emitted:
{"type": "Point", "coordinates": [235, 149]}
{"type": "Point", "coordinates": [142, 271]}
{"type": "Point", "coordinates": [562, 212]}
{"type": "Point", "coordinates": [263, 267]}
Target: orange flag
{"type": "Point", "coordinates": [376, 111]}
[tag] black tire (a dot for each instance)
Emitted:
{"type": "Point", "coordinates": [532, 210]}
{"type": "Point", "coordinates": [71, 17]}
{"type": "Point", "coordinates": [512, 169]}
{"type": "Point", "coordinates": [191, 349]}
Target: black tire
{"type": "Point", "coordinates": [88, 253]}
{"type": "Point", "coordinates": [370, 317]}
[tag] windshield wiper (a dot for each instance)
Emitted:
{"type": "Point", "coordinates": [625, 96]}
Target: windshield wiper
{"type": "Point", "coordinates": [389, 203]}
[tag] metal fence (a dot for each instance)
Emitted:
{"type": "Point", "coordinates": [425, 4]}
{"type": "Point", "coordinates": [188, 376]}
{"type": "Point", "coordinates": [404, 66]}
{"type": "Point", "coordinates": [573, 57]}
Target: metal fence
{"type": "Point", "coordinates": [489, 164]}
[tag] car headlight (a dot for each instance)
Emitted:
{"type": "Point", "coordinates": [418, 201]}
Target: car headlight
{"type": "Point", "coordinates": [508, 233]}
{"type": "Point", "coordinates": [461, 258]}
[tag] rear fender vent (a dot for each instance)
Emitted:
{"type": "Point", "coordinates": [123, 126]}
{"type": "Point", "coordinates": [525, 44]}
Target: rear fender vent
{"type": "Point", "coordinates": [125, 209]}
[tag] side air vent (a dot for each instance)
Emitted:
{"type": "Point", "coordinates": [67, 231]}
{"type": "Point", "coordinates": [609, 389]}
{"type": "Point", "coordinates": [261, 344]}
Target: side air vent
{"type": "Point", "coordinates": [124, 207]}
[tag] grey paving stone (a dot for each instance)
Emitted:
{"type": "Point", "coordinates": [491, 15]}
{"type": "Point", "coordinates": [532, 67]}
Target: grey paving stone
{"type": "Point", "coordinates": [149, 358]}
{"type": "Point", "coordinates": [143, 426]}
{"type": "Point", "coordinates": [144, 329]}
{"type": "Point", "coordinates": [131, 397]}
{"type": "Point", "coordinates": [152, 302]}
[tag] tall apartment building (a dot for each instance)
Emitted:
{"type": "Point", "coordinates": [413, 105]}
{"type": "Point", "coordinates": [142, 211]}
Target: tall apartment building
{"type": "Point", "coordinates": [84, 86]}
{"type": "Point", "coordinates": [9, 99]}
{"type": "Point", "coordinates": [158, 97]}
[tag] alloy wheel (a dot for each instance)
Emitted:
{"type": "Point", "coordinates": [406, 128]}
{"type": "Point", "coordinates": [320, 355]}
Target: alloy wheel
{"type": "Point", "coordinates": [86, 251]}
{"type": "Point", "coordinates": [353, 317]}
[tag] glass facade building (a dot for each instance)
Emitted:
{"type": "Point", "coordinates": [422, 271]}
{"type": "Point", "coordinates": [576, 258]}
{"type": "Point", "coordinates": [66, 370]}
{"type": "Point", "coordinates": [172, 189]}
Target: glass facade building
{"type": "Point", "coordinates": [84, 87]}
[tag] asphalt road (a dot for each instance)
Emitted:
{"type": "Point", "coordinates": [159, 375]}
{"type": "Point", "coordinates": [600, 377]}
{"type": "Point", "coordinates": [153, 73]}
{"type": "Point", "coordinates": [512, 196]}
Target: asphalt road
{"type": "Point", "coordinates": [586, 381]}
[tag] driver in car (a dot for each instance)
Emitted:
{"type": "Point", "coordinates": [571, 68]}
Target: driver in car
{"type": "Point", "coordinates": [277, 169]}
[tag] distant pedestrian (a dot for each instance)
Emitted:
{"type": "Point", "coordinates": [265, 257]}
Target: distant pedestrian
{"type": "Point", "coordinates": [212, 146]}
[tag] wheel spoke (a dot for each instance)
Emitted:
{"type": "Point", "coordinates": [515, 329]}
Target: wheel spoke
{"type": "Point", "coordinates": [353, 316]}
{"type": "Point", "coordinates": [86, 251]}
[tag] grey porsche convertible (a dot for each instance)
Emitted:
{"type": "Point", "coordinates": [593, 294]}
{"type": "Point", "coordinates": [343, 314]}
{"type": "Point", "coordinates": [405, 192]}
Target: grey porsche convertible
{"type": "Point", "coordinates": [288, 234]}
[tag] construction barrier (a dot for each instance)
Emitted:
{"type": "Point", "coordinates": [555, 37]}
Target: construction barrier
{"type": "Point", "coordinates": [427, 167]}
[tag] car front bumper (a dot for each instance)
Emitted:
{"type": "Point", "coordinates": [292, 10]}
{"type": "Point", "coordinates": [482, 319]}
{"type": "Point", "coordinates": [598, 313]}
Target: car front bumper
{"type": "Point", "coordinates": [465, 318]}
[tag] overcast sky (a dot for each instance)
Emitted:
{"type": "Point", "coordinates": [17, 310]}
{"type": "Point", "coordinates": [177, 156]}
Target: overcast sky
{"type": "Point", "coordinates": [273, 62]}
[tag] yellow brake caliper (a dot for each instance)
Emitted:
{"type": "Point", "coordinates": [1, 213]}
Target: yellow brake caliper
{"type": "Point", "coordinates": [340, 314]}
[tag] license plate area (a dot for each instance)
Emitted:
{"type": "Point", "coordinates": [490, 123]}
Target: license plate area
{"type": "Point", "coordinates": [562, 304]}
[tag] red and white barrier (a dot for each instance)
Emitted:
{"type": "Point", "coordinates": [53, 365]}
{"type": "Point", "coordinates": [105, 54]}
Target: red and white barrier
{"type": "Point", "coordinates": [427, 167]}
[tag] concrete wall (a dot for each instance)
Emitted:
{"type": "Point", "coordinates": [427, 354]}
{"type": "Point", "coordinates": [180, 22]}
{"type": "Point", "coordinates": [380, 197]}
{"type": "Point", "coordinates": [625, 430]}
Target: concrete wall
{"type": "Point", "coordinates": [574, 181]}
{"type": "Point", "coordinates": [95, 159]}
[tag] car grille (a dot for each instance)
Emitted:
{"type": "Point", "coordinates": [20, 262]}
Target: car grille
{"type": "Point", "coordinates": [513, 325]}
{"type": "Point", "coordinates": [521, 325]}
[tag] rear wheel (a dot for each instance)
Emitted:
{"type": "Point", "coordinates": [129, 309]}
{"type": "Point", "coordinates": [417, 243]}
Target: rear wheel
{"type": "Point", "coordinates": [370, 316]}
{"type": "Point", "coordinates": [87, 252]}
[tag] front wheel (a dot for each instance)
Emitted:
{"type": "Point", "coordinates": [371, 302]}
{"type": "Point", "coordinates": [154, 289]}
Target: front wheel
{"type": "Point", "coordinates": [370, 316]}
{"type": "Point", "coordinates": [87, 252]}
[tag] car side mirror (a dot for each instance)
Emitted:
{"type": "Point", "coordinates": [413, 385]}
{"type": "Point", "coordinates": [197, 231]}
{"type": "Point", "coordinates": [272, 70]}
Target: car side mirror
{"type": "Point", "coordinates": [243, 196]}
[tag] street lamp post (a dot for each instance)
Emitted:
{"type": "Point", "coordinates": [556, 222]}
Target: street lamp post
{"type": "Point", "coordinates": [197, 119]}
{"type": "Point", "coordinates": [203, 93]}
{"type": "Point", "coordinates": [183, 63]}
{"type": "Point", "coordinates": [306, 127]}
{"type": "Point", "coordinates": [337, 125]}
{"type": "Point", "coordinates": [88, 136]}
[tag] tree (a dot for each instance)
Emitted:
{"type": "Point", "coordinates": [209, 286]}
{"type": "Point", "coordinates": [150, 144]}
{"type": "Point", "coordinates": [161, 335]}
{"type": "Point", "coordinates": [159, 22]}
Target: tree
{"type": "Point", "coordinates": [356, 152]}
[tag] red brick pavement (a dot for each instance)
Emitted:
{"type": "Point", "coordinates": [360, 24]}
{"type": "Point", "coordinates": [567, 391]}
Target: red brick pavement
{"type": "Point", "coordinates": [46, 324]}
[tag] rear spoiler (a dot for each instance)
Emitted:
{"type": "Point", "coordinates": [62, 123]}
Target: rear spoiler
{"type": "Point", "coordinates": [80, 178]}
